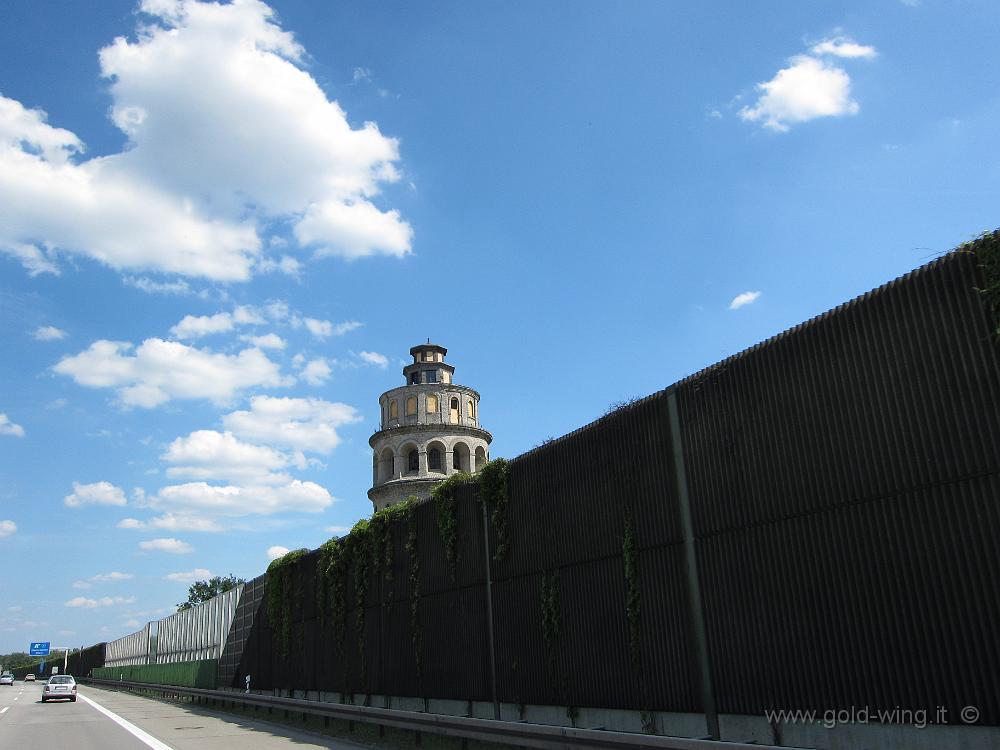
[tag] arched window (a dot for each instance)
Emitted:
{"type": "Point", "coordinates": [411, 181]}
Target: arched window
{"type": "Point", "coordinates": [413, 460]}
{"type": "Point", "coordinates": [432, 404]}
{"type": "Point", "coordinates": [411, 406]}
{"type": "Point", "coordinates": [454, 411]}
{"type": "Point", "coordinates": [472, 409]}
{"type": "Point", "coordinates": [434, 460]}
{"type": "Point", "coordinates": [393, 410]}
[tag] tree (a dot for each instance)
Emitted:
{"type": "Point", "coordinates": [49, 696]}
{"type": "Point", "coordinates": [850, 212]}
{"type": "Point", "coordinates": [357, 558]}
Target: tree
{"type": "Point", "coordinates": [202, 591]}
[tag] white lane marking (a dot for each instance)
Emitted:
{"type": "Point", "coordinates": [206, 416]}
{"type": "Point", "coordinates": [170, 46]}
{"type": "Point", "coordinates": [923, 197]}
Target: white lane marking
{"type": "Point", "coordinates": [4, 710]}
{"type": "Point", "coordinates": [128, 726]}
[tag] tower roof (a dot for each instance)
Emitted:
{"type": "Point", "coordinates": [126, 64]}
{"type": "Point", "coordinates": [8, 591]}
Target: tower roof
{"type": "Point", "coordinates": [428, 347]}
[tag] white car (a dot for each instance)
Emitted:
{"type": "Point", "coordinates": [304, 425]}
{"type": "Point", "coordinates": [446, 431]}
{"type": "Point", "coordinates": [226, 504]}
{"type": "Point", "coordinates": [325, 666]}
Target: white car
{"type": "Point", "coordinates": [59, 686]}
{"type": "Point", "coordinates": [6, 678]}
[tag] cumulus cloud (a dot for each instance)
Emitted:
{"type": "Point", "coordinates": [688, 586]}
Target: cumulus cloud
{"type": "Point", "coordinates": [809, 87]}
{"type": "Point", "coordinates": [98, 493]}
{"type": "Point", "coordinates": [111, 577]}
{"type": "Point", "coordinates": [49, 333]}
{"type": "Point", "coordinates": [7, 528]}
{"type": "Point", "coordinates": [746, 298]}
{"type": "Point", "coordinates": [304, 424]}
{"type": "Point", "coordinates": [206, 454]}
{"type": "Point", "coordinates": [198, 87]}
{"type": "Point", "coordinates": [318, 328]}
{"type": "Point", "coordinates": [159, 371]}
{"type": "Point", "coordinates": [842, 46]}
{"type": "Point", "coordinates": [196, 326]}
{"type": "Point", "coordinates": [104, 601]}
{"type": "Point", "coordinates": [267, 341]}
{"type": "Point", "coordinates": [198, 574]}
{"type": "Point", "coordinates": [9, 428]}
{"type": "Point", "coordinates": [273, 553]}
{"type": "Point", "coordinates": [173, 546]}
{"type": "Point", "coordinates": [232, 500]}
{"type": "Point", "coordinates": [172, 522]}
{"type": "Point", "coordinates": [374, 358]}
{"type": "Point", "coordinates": [316, 371]}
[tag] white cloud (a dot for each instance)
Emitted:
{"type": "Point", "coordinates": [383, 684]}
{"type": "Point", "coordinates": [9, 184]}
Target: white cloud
{"type": "Point", "coordinates": [273, 553]}
{"type": "Point", "coordinates": [808, 88]}
{"type": "Point", "coordinates": [231, 500]}
{"type": "Point", "coordinates": [267, 341]}
{"type": "Point", "coordinates": [111, 577]}
{"type": "Point", "coordinates": [195, 91]}
{"type": "Point", "coordinates": [172, 522]}
{"type": "Point", "coordinates": [173, 546]}
{"type": "Point", "coordinates": [104, 601]}
{"type": "Point", "coordinates": [346, 327]}
{"type": "Point", "coordinates": [132, 623]}
{"type": "Point", "coordinates": [299, 423]}
{"type": "Point", "coordinates": [161, 370]}
{"type": "Point", "coordinates": [98, 493]}
{"type": "Point", "coordinates": [842, 46]}
{"type": "Point", "coordinates": [319, 328]}
{"type": "Point", "coordinates": [7, 528]}
{"type": "Point", "coordinates": [179, 287]}
{"type": "Point", "coordinates": [353, 229]}
{"type": "Point", "coordinates": [198, 574]}
{"type": "Point", "coordinates": [9, 428]}
{"type": "Point", "coordinates": [745, 298]}
{"type": "Point", "coordinates": [374, 358]}
{"type": "Point", "coordinates": [206, 454]}
{"type": "Point", "coordinates": [57, 403]}
{"type": "Point", "coordinates": [316, 372]}
{"type": "Point", "coordinates": [196, 326]}
{"type": "Point", "coordinates": [49, 333]}
{"type": "Point", "coordinates": [337, 529]}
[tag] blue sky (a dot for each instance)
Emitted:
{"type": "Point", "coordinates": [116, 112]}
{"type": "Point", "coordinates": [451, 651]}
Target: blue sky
{"type": "Point", "coordinates": [223, 226]}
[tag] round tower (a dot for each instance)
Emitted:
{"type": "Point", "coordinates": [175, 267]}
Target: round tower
{"type": "Point", "coordinates": [429, 430]}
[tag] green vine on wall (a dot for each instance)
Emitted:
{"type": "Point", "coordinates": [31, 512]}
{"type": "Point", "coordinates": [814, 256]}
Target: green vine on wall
{"type": "Point", "coordinates": [631, 590]}
{"type": "Point", "coordinates": [280, 595]}
{"type": "Point", "coordinates": [447, 522]}
{"type": "Point", "coordinates": [551, 622]}
{"type": "Point", "coordinates": [493, 492]}
{"type": "Point", "coordinates": [987, 250]}
{"type": "Point", "coordinates": [412, 551]}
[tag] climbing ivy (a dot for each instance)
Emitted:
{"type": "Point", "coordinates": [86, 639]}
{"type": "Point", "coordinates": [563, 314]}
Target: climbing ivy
{"type": "Point", "coordinates": [631, 589]}
{"type": "Point", "coordinates": [280, 582]}
{"type": "Point", "coordinates": [493, 492]}
{"type": "Point", "coordinates": [447, 523]}
{"type": "Point", "coordinates": [331, 566]}
{"type": "Point", "coordinates": [987, 250]}
{"type": "Point", "coordinates": [413, 552]}
{"type": "Point", "coordinates": [551, 622]}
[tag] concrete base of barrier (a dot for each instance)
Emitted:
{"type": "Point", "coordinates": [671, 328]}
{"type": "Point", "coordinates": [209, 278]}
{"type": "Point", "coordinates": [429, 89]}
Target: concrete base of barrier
{"type": "Point", "coordinates": [732, 727]}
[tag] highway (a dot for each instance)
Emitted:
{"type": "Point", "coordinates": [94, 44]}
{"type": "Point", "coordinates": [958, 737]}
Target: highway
{"type": "Point", "coordinates": [107, 720]}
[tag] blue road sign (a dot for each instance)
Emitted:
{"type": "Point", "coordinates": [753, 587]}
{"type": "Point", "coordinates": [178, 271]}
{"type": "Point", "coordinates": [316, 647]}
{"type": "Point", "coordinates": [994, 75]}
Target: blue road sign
{"type": "Point", "coordinates": [39, 649]}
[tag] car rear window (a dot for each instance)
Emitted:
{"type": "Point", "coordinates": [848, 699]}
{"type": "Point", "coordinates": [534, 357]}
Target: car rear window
{"type": "Point", "coordinates": [61, 679]}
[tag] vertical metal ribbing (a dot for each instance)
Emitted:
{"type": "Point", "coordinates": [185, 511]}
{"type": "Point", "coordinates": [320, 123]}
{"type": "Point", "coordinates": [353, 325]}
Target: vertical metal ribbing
{"type": "Point", "coordinates": [693, 584]}
{"type": "Point", "coordinates": [489, 612]}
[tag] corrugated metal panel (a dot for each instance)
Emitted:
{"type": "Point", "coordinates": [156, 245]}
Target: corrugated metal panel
{"type": "Point", "coordinates": [129, 649]}
{"type": "Point", "coordinates": [843, 479]}
{"type": "Point", "coordinates": [199, 632]}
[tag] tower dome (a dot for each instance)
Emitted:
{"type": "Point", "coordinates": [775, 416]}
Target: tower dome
{"type": "Point", "coordinates": [429, 430]}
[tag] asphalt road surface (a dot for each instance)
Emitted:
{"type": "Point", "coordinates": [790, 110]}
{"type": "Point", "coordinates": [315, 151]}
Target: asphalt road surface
{"type": "Point", "coordinates": [106, 720]}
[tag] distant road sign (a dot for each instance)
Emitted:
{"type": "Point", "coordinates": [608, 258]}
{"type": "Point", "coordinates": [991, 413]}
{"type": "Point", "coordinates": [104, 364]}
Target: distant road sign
{"type": "Point", "coordinates": [39, 649]}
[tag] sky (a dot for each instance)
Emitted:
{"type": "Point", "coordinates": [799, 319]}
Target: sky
{"type": "Point", "coordinates": [223, 225]}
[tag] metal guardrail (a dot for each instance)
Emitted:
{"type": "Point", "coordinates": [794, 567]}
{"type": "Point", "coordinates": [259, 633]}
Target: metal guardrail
{"type": "Point", "coordinates": [522, 734]}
